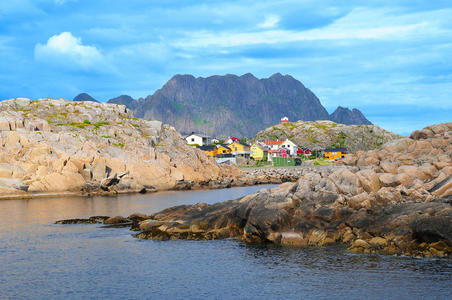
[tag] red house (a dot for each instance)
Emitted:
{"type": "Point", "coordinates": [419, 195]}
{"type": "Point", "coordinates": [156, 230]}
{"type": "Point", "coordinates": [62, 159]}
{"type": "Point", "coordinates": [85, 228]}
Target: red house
{"type": "Point", "coordinates": [304, 151]}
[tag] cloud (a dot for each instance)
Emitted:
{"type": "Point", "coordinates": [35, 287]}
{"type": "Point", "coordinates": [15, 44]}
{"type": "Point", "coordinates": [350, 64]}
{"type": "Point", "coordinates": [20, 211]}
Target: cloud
{"type": "Point", "coordinates": [68, 50]}
{"type": "Point", "coordinates": [270, 22]}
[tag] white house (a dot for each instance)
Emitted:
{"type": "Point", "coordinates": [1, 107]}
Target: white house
{"type": "Point", "coordinates": [273, 145]}
{"type": "Point", "coordinates": [290, 147]}
{"type": "Point", "coordinates": [198, 139]}
{"type": "Point", "coordinates": [284, 120]}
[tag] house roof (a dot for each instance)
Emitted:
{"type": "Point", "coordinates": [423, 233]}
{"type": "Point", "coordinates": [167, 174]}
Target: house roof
{"type": "Point", "coordinates": [335, 150]}
{"type": "Point", "coordinates": [241, 144]}
{"type": "Point", "coordinates": [223, 146]}
{"type": "Point", "coordinates": [273, 142]}
{"type": "Point", "coordinates": [208, 147]}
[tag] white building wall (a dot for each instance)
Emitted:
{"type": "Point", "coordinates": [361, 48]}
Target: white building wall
{"type": "Point", "coordinates": [194, 140]}
{"type": "Point", "coordinates": [290, 146]}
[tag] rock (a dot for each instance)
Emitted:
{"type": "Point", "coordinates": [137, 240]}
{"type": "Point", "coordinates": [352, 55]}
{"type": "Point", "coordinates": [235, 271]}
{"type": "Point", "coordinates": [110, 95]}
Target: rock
{"type": "Point", "coordinates": [358, 243]}
{"type": "Point", "coordinates": [116, 220]}
{"type": "Point", "coordinates": [378, 241]}
{"type": "Point", "coordinates": [57, 145]}
{"type": "Point", "coordinates": [108, 182]}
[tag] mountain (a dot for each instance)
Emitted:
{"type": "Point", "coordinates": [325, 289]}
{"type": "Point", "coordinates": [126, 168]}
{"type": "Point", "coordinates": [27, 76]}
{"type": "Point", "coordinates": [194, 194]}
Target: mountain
{"type": "Point", "coordinates": [125, 100]}
{"type": "Point", "coordinates": [230, 105]}
{"type": "Point", "coordinates": [346, 116]}
{"type": "Point", "coordinates": [84, 97]}
{"type": "Point", "coordinates": [327, 134]}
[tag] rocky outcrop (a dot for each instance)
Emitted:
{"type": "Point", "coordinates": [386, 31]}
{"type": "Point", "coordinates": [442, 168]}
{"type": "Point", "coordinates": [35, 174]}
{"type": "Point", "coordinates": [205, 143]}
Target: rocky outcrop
{"type": "Point", "coordinates": [54, 146]}
{"type": "Point", "coordinates": [326, 134]}
{"type": "Point", "coordinates": [394, 200]}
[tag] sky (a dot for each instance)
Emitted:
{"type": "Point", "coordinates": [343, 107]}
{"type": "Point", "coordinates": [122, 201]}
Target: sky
{"type": "Point", "coordinates": [390, 59]}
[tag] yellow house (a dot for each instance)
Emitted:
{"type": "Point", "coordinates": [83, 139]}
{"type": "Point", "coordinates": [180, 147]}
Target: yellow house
{"type": "Point", "coordinates": [209, 150]}
{"type": "Point", "coordinates": [223, 149]}
{"type": "Point", "coordinates": [258, 152]}
{"type": "Point", "coordinates": [335, 153]}
{"type": "Point", "coordinates": [240, 149]}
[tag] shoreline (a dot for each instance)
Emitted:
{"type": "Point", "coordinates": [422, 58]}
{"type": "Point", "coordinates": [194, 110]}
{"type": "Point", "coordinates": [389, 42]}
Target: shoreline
{"type": "Point", "coordinates": [251, 177]}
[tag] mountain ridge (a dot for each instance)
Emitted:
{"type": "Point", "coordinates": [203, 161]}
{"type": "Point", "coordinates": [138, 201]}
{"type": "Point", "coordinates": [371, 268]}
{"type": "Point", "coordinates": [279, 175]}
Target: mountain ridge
{"type": "Point", "coordinates": [229, 104]}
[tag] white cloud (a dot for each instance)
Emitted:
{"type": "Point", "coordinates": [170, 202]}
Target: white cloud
{"type": "Point", "coordinates": [359, 24]}
{"type": "Point", "coordinates": [69, 50]}
{"type": "Point", "coordinates": [270, 22]}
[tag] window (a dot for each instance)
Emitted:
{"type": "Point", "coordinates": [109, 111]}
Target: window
{"type": "Point", "coordinates": [192, 139]}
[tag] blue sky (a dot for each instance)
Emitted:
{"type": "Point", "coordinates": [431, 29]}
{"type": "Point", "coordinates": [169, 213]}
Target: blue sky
{"type": "Point", "coordinates": [390, 59]}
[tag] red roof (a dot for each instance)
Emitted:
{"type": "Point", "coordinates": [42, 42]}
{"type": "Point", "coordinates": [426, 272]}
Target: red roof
{"type": "Point", "coordinates": [273, 142]}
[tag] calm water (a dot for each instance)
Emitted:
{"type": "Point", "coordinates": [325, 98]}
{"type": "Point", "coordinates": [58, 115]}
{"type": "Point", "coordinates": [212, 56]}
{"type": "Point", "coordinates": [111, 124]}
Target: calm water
{"type": "Point", "coordinates": [40, 260]}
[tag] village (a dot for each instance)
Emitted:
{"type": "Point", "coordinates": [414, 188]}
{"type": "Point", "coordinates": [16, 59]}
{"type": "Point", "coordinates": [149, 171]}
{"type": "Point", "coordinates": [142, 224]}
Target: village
{"type": "Point", "coordinates": [260, 153]}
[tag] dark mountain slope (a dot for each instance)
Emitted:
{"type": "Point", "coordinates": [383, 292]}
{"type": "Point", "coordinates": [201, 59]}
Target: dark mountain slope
{"type": "Point", "coordinates": [233, 105]}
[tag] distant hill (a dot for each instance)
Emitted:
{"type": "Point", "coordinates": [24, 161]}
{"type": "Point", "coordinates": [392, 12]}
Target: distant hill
{"type": "Point", "coordinates": [233, 105]}
{"type": "Point", "coordinates": [346, 116]}
{"type": "Point", "coordinates": [125, 100]}
{"type": "Point", "coordinates": [327, 134]}
{"type": "Point", "coordinates": [84, 97]}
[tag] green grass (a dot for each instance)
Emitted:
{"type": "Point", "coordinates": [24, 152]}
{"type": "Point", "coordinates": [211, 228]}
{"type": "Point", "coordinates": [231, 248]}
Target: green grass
{"type": "Point", "coordinates": [118, 144]}
{"type": "Point", "coordinates": [106, 136]}
{"type": "Point", "coordinates": [322, 162]}
{"type": "Point", "coordinates": [86, 122]}
{"type": "Point", "coordinates": [100, 123]}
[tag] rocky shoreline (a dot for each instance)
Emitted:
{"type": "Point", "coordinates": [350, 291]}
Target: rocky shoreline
{"type": "Point", "coordinates": [52, 147]}
{"type": "Point", "coordinates": [393, 200]}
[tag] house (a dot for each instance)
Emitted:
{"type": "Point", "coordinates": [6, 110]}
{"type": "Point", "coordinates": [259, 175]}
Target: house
{"type": "Point", "coordinates": [273, 145]}
{"type": "Point", "coordinates": [259, 151]}
{"type": "Point", "coordinates": [335, 153]}
{"type": "Point", "coordinates": [210, 150]}
{"type": "Point", "coordinates": [223, 149]}
{"type": "Point", "coordinates": [231, 140]}
{"type": "Point", "coordinates": [285, 120]}
{"type": "Point", "coordinates": [304, 151]}
{"type": "Point", "coordinates": [290, 146]}
{"type": "Point", "coordinates": [281, 152]}
{"type": "Point", "coordinates": [198, 139]}
{"type": "Point", "coordinates": [240, 149]}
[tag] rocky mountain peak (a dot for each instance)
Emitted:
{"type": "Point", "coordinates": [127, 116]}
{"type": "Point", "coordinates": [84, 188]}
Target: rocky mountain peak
{"type": "Point", "coordinates": [344, 115]}
{"type": "Point", "coordinates": [234, 105]}
{"type": "Point", "coordinates": [125, 100]}
{"type": "Point", "coordinates": [84, 97]}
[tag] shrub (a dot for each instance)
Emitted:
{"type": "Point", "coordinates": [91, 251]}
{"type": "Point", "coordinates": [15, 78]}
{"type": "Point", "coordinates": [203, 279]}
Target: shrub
{"type": "Point", "coordinates": [86, 122]}
{"type": "Point", "coordinates": [203, 225]}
